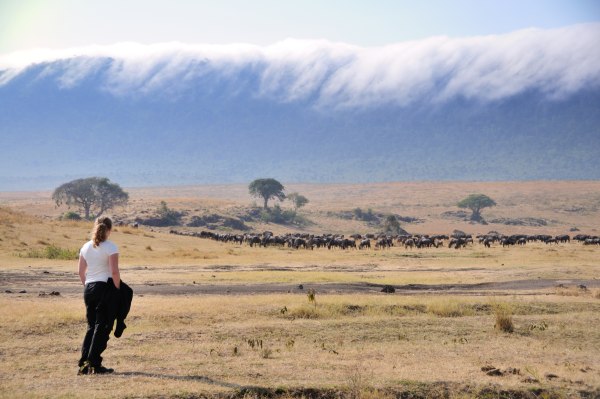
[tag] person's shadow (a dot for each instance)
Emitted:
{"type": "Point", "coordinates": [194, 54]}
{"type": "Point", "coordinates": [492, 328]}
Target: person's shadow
{"type": "Point", "coordinates": [198, 378]}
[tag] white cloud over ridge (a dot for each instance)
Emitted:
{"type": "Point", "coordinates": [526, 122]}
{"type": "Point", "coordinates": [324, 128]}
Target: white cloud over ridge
{"type": "Point", "coordinates": [556, 62]}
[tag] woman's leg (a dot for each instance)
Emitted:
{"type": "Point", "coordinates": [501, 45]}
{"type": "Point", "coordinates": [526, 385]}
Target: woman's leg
{"type": "Point", "coordinates": [101, 330]}
{"type": "Point", "coordinates": [90, 315]}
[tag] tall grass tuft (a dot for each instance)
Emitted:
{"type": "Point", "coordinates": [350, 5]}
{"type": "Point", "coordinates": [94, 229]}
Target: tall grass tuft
{"type": "Point", "coordinates": [503, 315]}
{"type": "Point", "coordinates": [311, 294]}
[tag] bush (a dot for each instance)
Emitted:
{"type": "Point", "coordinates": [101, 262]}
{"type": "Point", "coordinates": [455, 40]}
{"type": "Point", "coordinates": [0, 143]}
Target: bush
{"type": "Point", "coordinates": [212, 220]}
{"type": "Point", "coordinates": [278, 215]}
{"type": "Point", "coordinates": [52, 252]}
{"type": "Point", "coordinates": [170, 216]}
{"type": "Point", "coordinates": [166, 217]}
{"type": "Point", "coordinates": [392, 225]}
{"type": "Point", "coordinates": [367, 216]}
{"type": "Point", "coordinates": [503, 316]}
{"type": "Point", "coordinates": [71, 216]}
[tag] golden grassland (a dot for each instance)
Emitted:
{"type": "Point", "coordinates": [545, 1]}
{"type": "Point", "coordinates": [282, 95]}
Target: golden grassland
{"type": "Point", "coordinates": [190, 345]}
{"type": "Point", "coordinates": [428, 344]}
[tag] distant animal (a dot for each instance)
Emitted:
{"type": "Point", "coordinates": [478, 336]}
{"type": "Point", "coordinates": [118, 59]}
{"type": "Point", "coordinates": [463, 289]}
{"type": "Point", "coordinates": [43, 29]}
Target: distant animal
{"type": "Point", "coordinates": [366, 243]}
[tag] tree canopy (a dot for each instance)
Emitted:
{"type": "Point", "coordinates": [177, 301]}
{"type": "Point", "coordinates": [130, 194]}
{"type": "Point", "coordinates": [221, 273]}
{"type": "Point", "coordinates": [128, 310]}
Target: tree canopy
{"type": "Point", "coordinates": [93, 195]}
{"type": "Point", "coordinates": [476, 202]}
{"type": "Point", "coordinates": [298, 200]}
{"type": "Point", "coordinates": [267, 189]}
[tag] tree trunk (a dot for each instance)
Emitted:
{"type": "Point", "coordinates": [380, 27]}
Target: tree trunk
{"type": "Point", "coordinates": [265, 205]}
{"type": "Point", "coordinates": [476, 216]}
{"type": "Point", "coordinates": [87, 211]}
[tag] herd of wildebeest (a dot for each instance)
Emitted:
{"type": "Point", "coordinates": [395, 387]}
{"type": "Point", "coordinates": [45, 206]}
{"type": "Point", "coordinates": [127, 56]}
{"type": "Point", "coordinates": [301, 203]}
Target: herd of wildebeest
{"type": "Point", "coordinates": [457, 239]}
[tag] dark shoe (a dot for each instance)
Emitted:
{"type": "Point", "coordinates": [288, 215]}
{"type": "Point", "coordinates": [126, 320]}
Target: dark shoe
{"type": "Point", "coordinates": [84, 369]}
{"type": "Point", "coordinates": [100, 370]}
{"type": "Point", "coordinates": [119, 329]}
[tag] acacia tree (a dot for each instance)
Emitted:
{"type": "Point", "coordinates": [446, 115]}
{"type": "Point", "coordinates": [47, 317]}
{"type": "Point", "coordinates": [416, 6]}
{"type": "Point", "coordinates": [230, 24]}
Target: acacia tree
{"type": "Point", "coordinates": [476, 202]}
{"type": "Point", "coordinates": [267, 189]}
{"type": "Point", "coordinates": [298, 200]}
{"type": "Point", "coordinates": [93, 195]}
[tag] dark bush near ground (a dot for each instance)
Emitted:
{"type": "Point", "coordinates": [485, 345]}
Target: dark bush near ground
{"type": "Point", "coordinates": [165, 216]}
{"type": "Point", "coordinates": [71, 216]}
{"type": "Point", "coordinates": [213, 220]}
{"type": "Point", "coordinates": [460, 215]}
{"type": "Point", "coordinates": [371, 217]}
{"type": "Point", "coordinates": [278, 215]}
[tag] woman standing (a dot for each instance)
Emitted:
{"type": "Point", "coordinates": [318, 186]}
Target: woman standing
{"type": "Point", "coordinates": [98, 267]}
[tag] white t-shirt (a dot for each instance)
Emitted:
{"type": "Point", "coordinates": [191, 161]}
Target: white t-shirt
{"type": "Point", "coordinates": [97, 260]}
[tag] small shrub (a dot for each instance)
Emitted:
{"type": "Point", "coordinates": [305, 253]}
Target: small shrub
{"type": "Point", "coordinates": [278, 215]}
{"type": "Point", "coordinates": [311, 294]}
{"type": "Point", "coordinates": [365, 216]}
{"type": "Point", "coordinates": [42, 242]}
{"type": "Point", "coordinates": [255, 343]}
{"type": "Point", "coordinates": [71, 216]}
{"type": "Point", "coordinates": [165, 216]}
{"type": "Point", "coordinates": [541, 326]}
{"type": "Point", "coordinates": [266, 353]}
{"type": "Point", "coordinates": [148, 248]}
{"type": "Point", "coordinates": [391, 225]}
{"type": "Point", "coordinates": [503, 317]}
{"type": "Point", "coordinates": [52, 252]}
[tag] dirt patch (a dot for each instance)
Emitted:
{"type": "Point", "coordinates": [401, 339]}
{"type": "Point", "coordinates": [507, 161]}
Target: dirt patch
{"type": "Point", "coordinates": [35, 281]}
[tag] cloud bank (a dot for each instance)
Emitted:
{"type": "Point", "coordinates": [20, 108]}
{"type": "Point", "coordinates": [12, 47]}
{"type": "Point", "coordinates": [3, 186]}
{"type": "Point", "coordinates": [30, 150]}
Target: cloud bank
{"type": "Point", "coordinates": [556, 63]}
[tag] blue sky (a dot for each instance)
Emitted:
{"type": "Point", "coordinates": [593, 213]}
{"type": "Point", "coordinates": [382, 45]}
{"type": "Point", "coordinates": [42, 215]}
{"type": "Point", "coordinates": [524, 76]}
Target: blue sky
{"type": "Point", "coordinates": [26, 24]}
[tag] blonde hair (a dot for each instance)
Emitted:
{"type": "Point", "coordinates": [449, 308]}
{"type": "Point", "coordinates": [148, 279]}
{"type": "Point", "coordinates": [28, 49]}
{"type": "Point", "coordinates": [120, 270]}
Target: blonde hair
{"type": "Point", "coordinates": [101, 227]}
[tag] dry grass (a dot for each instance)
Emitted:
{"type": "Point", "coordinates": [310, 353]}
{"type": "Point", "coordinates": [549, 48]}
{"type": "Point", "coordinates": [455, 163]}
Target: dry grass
{"type": "Point", "coordinates": [360, 345]}
{"type": "Point", "coordinates": [503, 317]}
{"type": "Point", "coordinates": [192, 339]}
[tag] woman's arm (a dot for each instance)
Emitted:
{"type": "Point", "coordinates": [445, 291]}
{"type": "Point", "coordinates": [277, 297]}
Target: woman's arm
{"type": "Point", "coordinates": [82, 269]}
{"type": "Point", "coordinates": [113, 262]}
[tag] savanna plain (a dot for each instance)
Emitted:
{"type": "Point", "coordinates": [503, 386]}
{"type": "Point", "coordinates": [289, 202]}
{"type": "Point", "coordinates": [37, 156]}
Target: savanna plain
{"type": "Point", "coordinates": [223, 319]}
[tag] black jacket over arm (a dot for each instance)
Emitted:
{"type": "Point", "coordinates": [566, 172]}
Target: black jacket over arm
{"type": "Point", "coordinates": [119, 302]}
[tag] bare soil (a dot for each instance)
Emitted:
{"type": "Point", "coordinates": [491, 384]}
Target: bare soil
{"type": "Point", "coordinates": [36, 281]}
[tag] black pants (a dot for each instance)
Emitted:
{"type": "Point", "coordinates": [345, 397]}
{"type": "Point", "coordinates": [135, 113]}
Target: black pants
{"type": "Point", "coordinates": [96, 338]}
